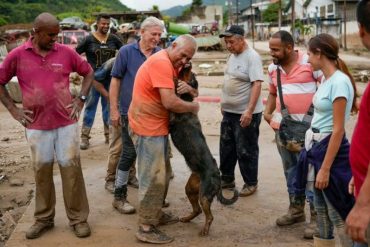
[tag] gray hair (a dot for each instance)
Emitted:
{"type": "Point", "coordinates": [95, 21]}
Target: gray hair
{"type": "Point", "coordinates": [152, 21]}
{"type": "Point", "coordinates": [185, 39]}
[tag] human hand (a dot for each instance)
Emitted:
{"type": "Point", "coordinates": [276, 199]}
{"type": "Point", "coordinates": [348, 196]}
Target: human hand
{"type": "Point", "coordinates": [183, 87]}
{"type": "Point", "coordinates": [322, 179]}
{"type": "Point", "coordinates": [351, 186]}
{"type": "Point", "coordinates": [357, 222]}
{"type": "Point", "coordinates": [22, 115]}
{"type": "Point", "coordinates": [246, 119]}
{"type": "Point", "coordinates": [76, 106]}
{"type": "Point", "coordinates": [196, 108]}
{"type": "Point", "coordinates": [115, 117]}
{"type": "Point", "coordinates": [267, 117]}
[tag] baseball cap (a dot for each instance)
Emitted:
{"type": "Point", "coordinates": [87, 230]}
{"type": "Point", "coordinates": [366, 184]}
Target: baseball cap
{"type": "Point", "coordinates": [232, 30]}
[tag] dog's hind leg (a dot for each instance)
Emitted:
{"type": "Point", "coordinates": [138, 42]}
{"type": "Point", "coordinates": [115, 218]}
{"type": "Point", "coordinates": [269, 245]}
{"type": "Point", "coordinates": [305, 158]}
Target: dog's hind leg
{"type": "Point", "coordinates": [192, 191]}
{"type": "Point", "coordinates": [206, 206]}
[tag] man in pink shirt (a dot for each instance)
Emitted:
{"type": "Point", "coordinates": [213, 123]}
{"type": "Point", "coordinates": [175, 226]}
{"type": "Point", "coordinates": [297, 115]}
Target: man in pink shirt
{"type": "Point", "coordinates": [50, 116]}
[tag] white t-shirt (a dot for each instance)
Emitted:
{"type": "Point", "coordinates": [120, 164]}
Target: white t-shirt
{"type": "Point", "coordinates": [241, 70]}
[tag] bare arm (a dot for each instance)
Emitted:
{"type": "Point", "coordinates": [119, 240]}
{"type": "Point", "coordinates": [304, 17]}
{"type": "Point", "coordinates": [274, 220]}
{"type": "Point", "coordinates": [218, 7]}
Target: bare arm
{"type": "Point", "coordinates": [173, 103]}
{"type": "Point", "coordinates": [270, 107]}
{"type": "Point", "coordinates": [246, 117]}
{"type": "Point", "coordinates": [77, 104]}
{"type": "Point", "coordinates": [114, 89]}
{"type": "Point", "coordinates": [359, 218]}
{"type": "Point", "coordinates": [101, 89]}
{"type": "Point", "coordinates": [19, 114]}
{"type": "Point", "coordinates": [184, 87]}
{"type": "Point", "coordinates": [339, 108]}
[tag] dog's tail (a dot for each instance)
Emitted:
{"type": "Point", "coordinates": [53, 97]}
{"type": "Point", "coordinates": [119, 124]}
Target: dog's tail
{"type": "Point", "coordinates": [226, 201]}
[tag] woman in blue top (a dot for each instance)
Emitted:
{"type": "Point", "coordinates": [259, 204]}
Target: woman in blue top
{"type": "Point", "coordinates": [326, 147]}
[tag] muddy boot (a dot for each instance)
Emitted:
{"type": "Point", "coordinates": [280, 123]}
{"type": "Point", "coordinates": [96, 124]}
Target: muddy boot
{"type": "Point", "coordinates": [106, 134]}
{"type": "Point", "coordinates": [311, 229]}
{"type": "Point", "coordinates": [120, 201]}
{"type": "Point", "coordinates": [320, 242]}
{"type": "Point", "coordinates": [295, 212]}
{"type": "Point", "coordinates": [85, 136]}
{"type": "Point", "coordinates": [132, 180]}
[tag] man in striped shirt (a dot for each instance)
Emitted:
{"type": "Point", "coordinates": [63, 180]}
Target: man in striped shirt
{"type": "Point", "coordinates": [298, 86]}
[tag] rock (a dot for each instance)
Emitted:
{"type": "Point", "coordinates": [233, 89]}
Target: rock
{"type": "Point", "coordinates": [5, 139]}
{"type": "Point", "coordinates": [16, 182]}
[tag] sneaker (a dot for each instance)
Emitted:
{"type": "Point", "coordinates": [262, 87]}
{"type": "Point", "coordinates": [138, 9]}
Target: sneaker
{"type": "Point", "coordinates": [133, 182]}
{"type": "Point", "coordinates": [82, 229]}
{"type": "Point", "coordinates": [227, 185]}
{"type": "Point", "coordinates": [123, 206]}
{"type": "Point", "coordinates": [109, 185]}
{"type": "Point", "coordinates": [166, 203]}
{"type": "Point", "coordinates": [248, 190]}
{"type": "Point", "coordinates": [153, 235]}
{"type": "Point", "coordinates": [168, 219]}
{"type": "Point", "coordinates": [38, 228]}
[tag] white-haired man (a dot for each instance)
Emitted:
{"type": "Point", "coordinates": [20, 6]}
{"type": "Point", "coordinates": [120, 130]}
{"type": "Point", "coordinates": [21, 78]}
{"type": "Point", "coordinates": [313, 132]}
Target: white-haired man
{"type": "Point", "coordinates": [153, 97]}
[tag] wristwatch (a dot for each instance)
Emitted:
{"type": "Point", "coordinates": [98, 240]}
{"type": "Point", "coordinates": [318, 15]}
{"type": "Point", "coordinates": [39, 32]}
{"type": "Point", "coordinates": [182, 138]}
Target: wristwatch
{"type": "Point", "coordinates": [82, 98]}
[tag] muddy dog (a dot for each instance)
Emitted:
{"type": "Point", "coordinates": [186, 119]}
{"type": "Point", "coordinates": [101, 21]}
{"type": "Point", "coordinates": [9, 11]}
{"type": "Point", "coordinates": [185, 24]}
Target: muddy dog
{"type": "Point", "coordinates": [205, 181]}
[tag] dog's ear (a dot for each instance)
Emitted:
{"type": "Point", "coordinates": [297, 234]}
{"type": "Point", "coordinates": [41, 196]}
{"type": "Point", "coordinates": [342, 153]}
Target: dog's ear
{"type": "Point", "coordinates": [176, 82]}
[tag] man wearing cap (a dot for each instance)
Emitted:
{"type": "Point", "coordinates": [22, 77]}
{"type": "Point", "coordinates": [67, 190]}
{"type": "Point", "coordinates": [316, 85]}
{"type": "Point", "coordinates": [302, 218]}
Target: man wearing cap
{"type": "Point", "coordinates": [241, 106]}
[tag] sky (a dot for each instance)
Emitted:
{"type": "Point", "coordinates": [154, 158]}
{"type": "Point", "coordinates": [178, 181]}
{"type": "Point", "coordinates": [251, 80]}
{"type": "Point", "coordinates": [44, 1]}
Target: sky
{"type": "Point", "coordinates": [147, 4]}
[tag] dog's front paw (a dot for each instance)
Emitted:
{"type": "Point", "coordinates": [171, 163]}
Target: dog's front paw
{"type": "Point", "coordinates": [204, 232]}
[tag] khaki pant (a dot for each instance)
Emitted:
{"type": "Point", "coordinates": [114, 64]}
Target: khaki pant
{"type": "Point", "coordinates": [154, 172]}
{"type": "Point", "coordinates": [114, 153]}
{"type": "Point", "coordinates": [63, 143]}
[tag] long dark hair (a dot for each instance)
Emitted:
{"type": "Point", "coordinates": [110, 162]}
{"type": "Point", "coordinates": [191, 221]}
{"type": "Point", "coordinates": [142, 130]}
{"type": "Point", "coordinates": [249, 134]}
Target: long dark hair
{"type": "Point", "coordinates": [328, 46]}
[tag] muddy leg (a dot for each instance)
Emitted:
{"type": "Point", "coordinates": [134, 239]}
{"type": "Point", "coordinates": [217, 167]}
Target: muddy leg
{"type": "Point", "coordinates": [192, 191]}
{"type": "Point", "coordinates": [206, 206]}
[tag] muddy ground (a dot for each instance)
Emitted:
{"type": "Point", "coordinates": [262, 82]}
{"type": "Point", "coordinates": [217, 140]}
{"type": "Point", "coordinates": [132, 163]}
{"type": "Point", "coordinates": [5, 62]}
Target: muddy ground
{"type": "Point", "coordinates": [249, 222]}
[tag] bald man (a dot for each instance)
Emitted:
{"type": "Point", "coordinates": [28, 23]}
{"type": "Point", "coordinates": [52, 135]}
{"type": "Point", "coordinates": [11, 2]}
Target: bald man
{"type": "Point", "coordinates": [153, 97]}
{"type": "Point", "coordinates": [49, 116]}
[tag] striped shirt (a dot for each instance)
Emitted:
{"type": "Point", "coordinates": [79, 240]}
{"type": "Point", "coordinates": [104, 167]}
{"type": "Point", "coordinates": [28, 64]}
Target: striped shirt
{"type": "Point", "coordinates": [298, 88]}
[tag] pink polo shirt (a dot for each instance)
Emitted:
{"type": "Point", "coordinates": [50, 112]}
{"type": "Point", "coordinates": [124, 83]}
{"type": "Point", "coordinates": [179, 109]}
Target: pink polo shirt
{"type": "Point", "coordinates": [44, 82]}
{"type": "Point", "coordinates": [298, 88]}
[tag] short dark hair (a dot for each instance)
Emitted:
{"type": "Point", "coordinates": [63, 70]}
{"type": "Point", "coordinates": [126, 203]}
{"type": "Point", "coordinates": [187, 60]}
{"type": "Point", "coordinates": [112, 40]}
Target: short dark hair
{"type": "Point", "coordinates": [363, 14]}
{"type": "Point", "coordinates": [102, 16]}
{"type": "Point", "coordinates": [285, 37]}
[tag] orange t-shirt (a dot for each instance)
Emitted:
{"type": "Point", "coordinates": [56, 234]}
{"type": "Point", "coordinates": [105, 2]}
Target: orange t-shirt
{"type": "Point", "coordinates": [147, 115]}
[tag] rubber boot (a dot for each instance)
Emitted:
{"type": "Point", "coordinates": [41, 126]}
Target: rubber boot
{"type": "Point", "coordinates": [311, 229]}
{"type": "Point", "coordinates": [295, 212]}
{"type": "Point", "coordinates": [320, 242]}
{"type": "Point", "coordinates": [106, 134]}
{"type": "Point", "coordinates": [85, 136]}
{"type": "Point", "coordinates": [120, 202]}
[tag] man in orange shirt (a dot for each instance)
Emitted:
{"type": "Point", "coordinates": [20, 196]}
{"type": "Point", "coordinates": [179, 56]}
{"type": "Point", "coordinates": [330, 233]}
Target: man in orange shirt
{"type": "Point", "coordinates": [152, 98]}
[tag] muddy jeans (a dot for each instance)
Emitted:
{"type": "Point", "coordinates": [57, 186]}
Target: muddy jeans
{"type": "Point", "coordinates": [63, 143]}
{"type": "Point", "coordinates": [154, 172]}
{"type": "Point", "coordinates": [239, 144]}
{"type": "Point", "coordinates": [91, 106]}
{"type": "Point", "coordinates": [114, 154]}
{"type": "Point", "coordinates": [327, 218]}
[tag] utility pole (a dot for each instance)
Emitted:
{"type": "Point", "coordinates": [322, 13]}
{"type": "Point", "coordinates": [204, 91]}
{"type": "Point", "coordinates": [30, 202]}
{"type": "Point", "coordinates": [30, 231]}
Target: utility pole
{"type": "Point", "coordinates": [237, 12]}
{"type": "Point", "coordinates": [345, 24]}
{"type": "Point", "coordinates": [252, 24]}
{"type": "Point", "coordinates": [279, 15]}
{"type": "Point", "coordinates": [293, 18]}
{"type": "Point", "coordinates": [229, 4]}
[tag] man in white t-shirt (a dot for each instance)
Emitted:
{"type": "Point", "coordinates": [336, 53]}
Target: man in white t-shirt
{"type": "Point", "coordinates": [242, 108]}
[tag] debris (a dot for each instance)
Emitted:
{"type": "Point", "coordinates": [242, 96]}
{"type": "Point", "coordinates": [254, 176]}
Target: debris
{"type": "Point", "coordinates": [5, 139]}
{"type": "Point", "coordinates": [205, 66]}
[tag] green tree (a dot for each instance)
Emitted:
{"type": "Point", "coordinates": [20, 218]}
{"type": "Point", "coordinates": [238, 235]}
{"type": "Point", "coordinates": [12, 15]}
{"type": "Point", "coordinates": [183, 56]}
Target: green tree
{"type": "Point", "coordinates": [155, 8]}
{"type": "Point", "coordinates": [271, 13]}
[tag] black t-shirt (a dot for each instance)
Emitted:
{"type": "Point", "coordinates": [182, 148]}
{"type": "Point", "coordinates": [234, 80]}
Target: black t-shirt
{"type": "Point", "coordinates": [98, 52]}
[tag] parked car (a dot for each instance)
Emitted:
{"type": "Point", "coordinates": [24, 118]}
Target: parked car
{"type": "Point", "coordinates": [72, 38]}
{"type": "Point", "coordinates": [73, 22]}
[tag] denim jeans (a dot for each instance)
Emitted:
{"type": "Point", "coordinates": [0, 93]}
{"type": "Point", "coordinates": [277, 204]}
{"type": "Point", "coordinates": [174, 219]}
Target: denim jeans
{"type": "Point", "coordinates": [239, 144]}
{"type": "Point", "coordinates": [327, 218]}
{"type": "Point", "coordinates": [91, 106]}
{"type": "Point", "coordinates": [154, 171]}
